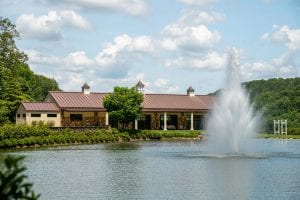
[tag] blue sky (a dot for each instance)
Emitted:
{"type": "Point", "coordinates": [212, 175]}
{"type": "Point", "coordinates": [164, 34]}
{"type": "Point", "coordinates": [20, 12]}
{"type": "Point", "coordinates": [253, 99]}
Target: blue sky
{"type": "Point", "coordinates": [169, 45]}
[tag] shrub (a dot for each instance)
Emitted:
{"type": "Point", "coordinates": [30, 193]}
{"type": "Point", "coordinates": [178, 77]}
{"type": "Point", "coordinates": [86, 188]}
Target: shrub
{"type": "Point", "coordinates": [294, 131]}
{"type": "Point", "coordinates": [12, 181]}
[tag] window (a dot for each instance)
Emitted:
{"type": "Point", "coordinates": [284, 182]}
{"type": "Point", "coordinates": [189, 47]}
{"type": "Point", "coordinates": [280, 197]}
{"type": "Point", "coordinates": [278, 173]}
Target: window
{"type": "Point", "coordinates": [24, 115]}
{"type": "Point", "coordinates": [51, 115]}
{"type": "Point", "coordinates": [18, 115]}
{"type": "Point", "coordinates": [35, 115]}
{"type": "Point", "coordinates": [76, 117]}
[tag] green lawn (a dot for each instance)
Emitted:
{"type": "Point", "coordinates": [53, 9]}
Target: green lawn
{"type": "Point", "coordinates": [264, 135]}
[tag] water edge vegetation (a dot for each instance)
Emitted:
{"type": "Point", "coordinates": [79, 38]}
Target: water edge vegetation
{"type": "Point", "coordinates": [14, 136]}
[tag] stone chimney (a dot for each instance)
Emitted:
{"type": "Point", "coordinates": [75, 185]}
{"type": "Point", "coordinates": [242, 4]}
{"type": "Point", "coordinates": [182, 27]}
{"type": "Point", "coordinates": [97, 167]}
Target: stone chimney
{"type": "Point", "coordinates": [86, 89]}
{"type": "Point", "coordinates": [140, 87]}
{"type": "Point", "coordinates": [190, 91]}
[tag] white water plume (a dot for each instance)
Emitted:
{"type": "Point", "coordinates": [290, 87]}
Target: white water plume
{"type": "Point", "coordinates": [232, 120]}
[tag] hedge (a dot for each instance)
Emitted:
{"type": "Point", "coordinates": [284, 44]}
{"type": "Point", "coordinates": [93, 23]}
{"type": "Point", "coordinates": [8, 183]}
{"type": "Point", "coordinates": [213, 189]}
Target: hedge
{"type": "Point", "coordinates": [12, 136]}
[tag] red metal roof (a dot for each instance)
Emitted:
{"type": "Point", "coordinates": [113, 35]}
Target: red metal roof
{"type": "Point", "coordinates": [40, 106]}
{"type": "Point", "coordinates": [78, 101]}
{"type": "Point", "coordinates": [173, 102]}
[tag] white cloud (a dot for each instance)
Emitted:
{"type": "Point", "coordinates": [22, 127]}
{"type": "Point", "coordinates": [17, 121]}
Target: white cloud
{"type": "Point", "coordinates": [210, 61]}
{"type": "Point", "coordinates": [73, 81]}
{"type": "Point", "coordinates": [165, 86]}
{"type": "Point", "coordinates": [283, 34]}
{"type": "Point", "coordinates": [262, 67]}
{"type": "Point", "coordinates": [198, 2]}
{"type": "Point", "coordinates": [49, 27]}
{"type": "Point", "coordinates": [196, 17]}
{"type": "Point", "coordinates": [123, 49]}
{"type": "Point", "coordinates": [113, 61]}
{"type": "Point", "coordinates": [189, 37]}
{"type": "Point", "coordinates": [77, 61]}
{"type": "Point", "coordinates": [131, 7]}
{"type": "Point", "coordinates": [287, 70]}
{"type": "Point", "coordinates": [73, 62]}
{"type": "Point", "coordinates": [282, 66]}
{"type": "Point", "coordinates": [37, 58]}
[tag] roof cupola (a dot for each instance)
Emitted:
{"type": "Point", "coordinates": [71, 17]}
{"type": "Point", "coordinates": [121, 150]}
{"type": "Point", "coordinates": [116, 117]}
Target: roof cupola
{"type": "Point", "coordinates": [86, 89]}
{"type": "Point", "coordinates": [190, 91]}
{"type": "Point", "coordinates": [140, 87]}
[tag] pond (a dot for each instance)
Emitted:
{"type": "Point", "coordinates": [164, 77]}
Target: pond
{"type": "Point", "coordinates": [165, 170]}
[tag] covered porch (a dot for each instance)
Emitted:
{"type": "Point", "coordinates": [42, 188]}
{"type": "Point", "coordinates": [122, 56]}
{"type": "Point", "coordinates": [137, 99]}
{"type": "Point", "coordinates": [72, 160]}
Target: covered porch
{"type": "Point", "coordinates": [84, 119]}
{"type": "Point", "coordinates": [171, 121]}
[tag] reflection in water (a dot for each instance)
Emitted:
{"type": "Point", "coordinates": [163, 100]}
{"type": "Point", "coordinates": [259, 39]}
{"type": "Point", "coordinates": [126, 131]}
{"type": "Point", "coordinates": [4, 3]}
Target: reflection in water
{"type": "Point", "coordinates": [123, 146]}
{"type": "Point", "coordinates": [231, 178]}
{"type": "Point", "coordinates": [123, 175]}
{"type": "Point", "coordinates": [165, 170]}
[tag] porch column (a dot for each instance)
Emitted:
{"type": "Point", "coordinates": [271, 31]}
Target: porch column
{"type": "Point", "coordinates": [106, 119]}
{"type": "Point", "coordinates": [192, 121]}
{"type": "Point", "coordinates": [165, 121]}
{"type": "Point", "coordinates": [136, 124]}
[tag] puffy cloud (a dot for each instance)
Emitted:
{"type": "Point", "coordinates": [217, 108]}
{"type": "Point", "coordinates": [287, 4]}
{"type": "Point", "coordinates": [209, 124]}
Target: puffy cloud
{"type": "Point", "coordinates": [191, 43]}
{"type": "Point", "coordinates": [262, 67]}
{"type": "Point", "coordinates": [165, 86]}
{"type": "Point", "coordinates": [198, 2]}
{"type": "Point", "coordinates": [37, 58]}
{"type": "Point", "coordinates": [210, 61]}
{"type": "Point", "coordinates": [282, 66]}
{"type": "Point", "coordinates": [131, 7]}
{"type": "Point", "coordinates": [113, 61]}
{"type": "Point", "coordinates": [189, 37]}
{"type": "Point", "coordinates": [74, 62]}
{"type": "Point", "coordinates": [283, 34]}
{"type": "Point", "coordinates": [49, 27]}
{"type": "Point", "coordinates": [196, 17]}
{"type": "Point", "coordinates": [122, 49]}
{"type": "Point", "coordinates": [77, 61]}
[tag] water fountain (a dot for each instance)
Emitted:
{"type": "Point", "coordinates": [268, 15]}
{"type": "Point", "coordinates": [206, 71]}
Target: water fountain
{"type": "Point", "coordinates": [232, 121]}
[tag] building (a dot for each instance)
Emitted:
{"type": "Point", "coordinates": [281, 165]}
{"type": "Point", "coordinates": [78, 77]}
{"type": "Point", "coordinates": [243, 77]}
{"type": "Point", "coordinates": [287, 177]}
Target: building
{"type": "Point", "coordinates": [85, 109]}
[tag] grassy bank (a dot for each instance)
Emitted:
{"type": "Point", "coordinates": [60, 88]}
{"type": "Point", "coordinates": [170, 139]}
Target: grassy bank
{"type": "Point", "coordinates": [278, 136]}
{"type": "Point", "coordinates": [13, 136]}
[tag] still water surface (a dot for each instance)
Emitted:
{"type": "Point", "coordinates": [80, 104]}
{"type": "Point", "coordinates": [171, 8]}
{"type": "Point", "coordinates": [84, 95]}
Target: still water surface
{"type": "Point", "coordinates": [165, 170]}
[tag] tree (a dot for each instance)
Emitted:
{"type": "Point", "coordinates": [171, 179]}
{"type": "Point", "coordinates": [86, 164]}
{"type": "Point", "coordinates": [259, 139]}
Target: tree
{"type": "Point", "coordinates": [12, 181]}
{"type": "Point", "coordinates": [277, 98]}
{"type": "Point", "coordinates": [10, 56]}
{"type": "Point", "coordinates": [17, 82]}
{"type": "Point", "coordinates": [124, 105]}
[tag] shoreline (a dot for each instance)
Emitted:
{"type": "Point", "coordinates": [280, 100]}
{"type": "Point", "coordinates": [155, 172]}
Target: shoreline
{"type": "Point", "coordinates": [272, 136]}
{"type": "Point", "coordinates": [41, 146]}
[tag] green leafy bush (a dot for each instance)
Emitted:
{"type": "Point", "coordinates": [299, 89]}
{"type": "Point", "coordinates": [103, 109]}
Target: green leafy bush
{"type": "Point", "coordinates": [13, 183]}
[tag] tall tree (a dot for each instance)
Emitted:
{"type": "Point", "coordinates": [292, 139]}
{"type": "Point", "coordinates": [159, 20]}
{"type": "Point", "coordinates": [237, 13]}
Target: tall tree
{"type": "Point", "coordinates": [10, 56]}
{"type": "Point", "coordinates": [17, 82]}
{"type": "Point", "coordinates": [10, 59]}
{"type": "Point", "coordinates": [124, 105]}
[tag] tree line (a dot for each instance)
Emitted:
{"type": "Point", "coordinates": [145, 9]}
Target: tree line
{"type": "Point", "coordinates": [17, 81]}
{"type": "Point", "coordinates": [275, 99]}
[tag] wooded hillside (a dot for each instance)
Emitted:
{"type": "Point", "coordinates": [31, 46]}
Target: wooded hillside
{"type": "Point", "coordinates": [17, 82]}
{"type": "Point", "coordinates": [277, 98]}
